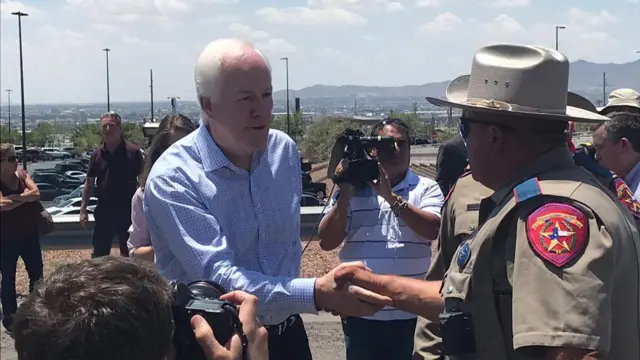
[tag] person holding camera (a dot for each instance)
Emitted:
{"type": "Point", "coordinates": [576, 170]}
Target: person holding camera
{"type": "Point", "coordinates": [389, 225]}
{"type": "Point", "coordinates": [118, 308]}
{"type": "Point", "coordinates": [223, 204]}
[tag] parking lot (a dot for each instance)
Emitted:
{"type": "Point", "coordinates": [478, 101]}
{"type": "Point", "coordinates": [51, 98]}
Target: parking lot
{"type": "Point", "coordinates": [33, 166]}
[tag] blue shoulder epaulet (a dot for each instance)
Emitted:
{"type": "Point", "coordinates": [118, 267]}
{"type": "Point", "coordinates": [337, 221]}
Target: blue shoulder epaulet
{"type": "Point", "coordinates": [526, 190]}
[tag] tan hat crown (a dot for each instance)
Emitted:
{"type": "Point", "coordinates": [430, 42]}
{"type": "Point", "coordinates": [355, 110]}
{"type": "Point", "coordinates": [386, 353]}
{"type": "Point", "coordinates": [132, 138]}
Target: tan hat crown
{"type": "Point", "coordinates": [525, 76]}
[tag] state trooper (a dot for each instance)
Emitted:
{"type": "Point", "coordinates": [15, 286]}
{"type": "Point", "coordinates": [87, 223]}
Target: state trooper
{"type": "Point", "coordinates": [459, 220]}
{"type": "Point", "coordinates": [553, 270]}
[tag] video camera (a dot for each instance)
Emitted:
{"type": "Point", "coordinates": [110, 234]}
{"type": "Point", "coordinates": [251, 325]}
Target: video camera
{"type": "Point", "coordinates": [354, 150]}
{"type": "Point", "coordinates": [202, 298]}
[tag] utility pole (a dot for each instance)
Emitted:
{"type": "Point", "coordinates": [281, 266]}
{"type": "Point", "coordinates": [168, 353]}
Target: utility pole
{"type": "Point", "coordinates": [604, 88]}
{"type": "Point", "coordinates": [20, 14]}
{"type": "Point", "coordinates": [9, 108]}
{"type": "Point", "coordinates": [355, 107]}
{"type": "Point", "coordinates": [106, 52]}
{"type": "Point", "coordinates": [286, 61]}
{"type": "Point", "coordinates": [557, 30]}
{"type": "Point", "coordinates": [151, 88]}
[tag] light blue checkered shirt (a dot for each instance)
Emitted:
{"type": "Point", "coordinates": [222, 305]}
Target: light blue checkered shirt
{"type": "Point", "coordinates": [209, 219]}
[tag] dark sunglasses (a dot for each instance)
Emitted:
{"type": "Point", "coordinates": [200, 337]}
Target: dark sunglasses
{"type": "Point", "coordinates": [11, 158]}
{"type": "Point", "coordinates": [389, 121]}
{"type": "Point", "coordinates": [465, 122]}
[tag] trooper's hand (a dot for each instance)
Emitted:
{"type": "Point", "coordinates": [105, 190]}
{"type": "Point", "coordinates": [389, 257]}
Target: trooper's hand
{"type": "Point", "coordinates": [256, 334]}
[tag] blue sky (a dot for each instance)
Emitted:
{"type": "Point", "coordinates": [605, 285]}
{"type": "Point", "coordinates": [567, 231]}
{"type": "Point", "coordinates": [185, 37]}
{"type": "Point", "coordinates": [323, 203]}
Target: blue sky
{"type": "Point", "coordinates": [333, 42]}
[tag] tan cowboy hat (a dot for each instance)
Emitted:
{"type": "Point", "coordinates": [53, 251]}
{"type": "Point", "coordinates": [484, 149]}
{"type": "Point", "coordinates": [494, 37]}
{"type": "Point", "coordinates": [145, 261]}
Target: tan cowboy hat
{"type": "Point", "coordinates": [621, 97]}
{"type": "Point", "coordinates": [517, 79]}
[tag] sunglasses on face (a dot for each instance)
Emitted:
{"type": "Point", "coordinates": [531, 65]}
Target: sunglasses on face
{"type": "Point", "coordinates": [465, 122]}
{"type": "Point", "coordinates": [11, 158]}
{"type": "Point", "coordinates": [392, 121]}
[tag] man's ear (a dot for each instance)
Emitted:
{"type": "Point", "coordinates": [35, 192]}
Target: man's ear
{"type": "Point", "coordinates": [625, 143]}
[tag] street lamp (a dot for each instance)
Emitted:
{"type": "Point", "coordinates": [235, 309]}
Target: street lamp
{"type": "Point", "coordinates": [106, 52]}
{"type": "Point", "coordinates": [286, 61]}
{"type": "Point", "coordinates": [9, 108]}
{"type": "Point", "coordinates": [174, 103]}
{"type": "Point", "coordinates": [558, 28]}
{"type": "Point", "coordinates": [20, 14]}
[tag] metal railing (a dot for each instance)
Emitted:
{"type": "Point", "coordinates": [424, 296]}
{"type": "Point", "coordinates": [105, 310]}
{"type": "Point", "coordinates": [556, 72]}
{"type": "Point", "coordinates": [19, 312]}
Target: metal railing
{"type": "Point", "coordinates": [69, 233]}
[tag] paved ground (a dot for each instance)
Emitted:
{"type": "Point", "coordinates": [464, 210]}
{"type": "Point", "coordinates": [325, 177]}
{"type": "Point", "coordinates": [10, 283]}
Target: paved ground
{"type": "Point", "coordinates": [325, 338]}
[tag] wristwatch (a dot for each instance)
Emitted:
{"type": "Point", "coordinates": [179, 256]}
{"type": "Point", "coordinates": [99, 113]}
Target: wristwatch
{"type": "Point", "coordinates": [399, 205]}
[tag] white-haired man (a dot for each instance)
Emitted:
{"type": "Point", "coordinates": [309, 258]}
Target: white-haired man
{"type": "Point", "coordinates": [223, 203]}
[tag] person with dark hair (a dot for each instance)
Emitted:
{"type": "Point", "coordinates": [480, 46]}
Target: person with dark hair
{"type": "Point", "coordinates": [389, 225]}
{"type": "Point", "coordinates": [117, 308]}
{"type": "Point", "coordinates": [617, 145]}
{"type": "Point", "coordinates": [113, 172]}
{"type": "Point", "coordinates": [171, 129]}
{"type": "Point", "coordinates": [451, 162]}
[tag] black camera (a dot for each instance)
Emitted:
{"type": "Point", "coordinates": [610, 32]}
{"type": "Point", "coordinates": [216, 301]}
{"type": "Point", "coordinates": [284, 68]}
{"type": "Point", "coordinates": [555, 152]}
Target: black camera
{"type": "Point", "coordinates": [354, 149]}
{"type": "Point", "coordinates": [202, 298]}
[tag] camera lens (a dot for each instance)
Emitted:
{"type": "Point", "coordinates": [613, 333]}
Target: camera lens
{"type": "Point", "coordinates": [206, 290]}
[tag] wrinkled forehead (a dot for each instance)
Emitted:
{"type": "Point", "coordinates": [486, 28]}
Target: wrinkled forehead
{"type": "Point", "coordinates": [109, 119]}
{"type": "Point", "coordinates": [245, 73]}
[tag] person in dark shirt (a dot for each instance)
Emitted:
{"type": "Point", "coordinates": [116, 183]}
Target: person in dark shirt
{"type": "Point", "coordinates": [451, 162]}
{"type": "Point", "coordinates": [113, 171]}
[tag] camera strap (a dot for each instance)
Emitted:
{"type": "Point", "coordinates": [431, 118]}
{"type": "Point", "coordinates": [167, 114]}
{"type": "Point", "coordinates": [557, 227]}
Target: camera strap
{"type": "Point", "coordinates": [237, 324]}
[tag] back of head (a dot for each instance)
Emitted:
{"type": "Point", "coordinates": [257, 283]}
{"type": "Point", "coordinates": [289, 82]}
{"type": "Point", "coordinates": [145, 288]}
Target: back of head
{"type": "Point", "coordinates": [99, 309]}
{"type": "Point", "coordinates": [208, 74]}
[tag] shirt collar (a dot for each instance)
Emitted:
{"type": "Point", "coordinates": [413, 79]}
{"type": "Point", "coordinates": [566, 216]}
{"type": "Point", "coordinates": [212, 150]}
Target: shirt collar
{"type": "Point", "coordinates": [560, 157]}
{"type": "Point", "coordinates": [633, 177]}
{"type": "Point", "coordinates": [410, 180]}
{"type": "Point", "coordinates": [121, 146]}
{"type": "Point", "coordinates": [212, 156]}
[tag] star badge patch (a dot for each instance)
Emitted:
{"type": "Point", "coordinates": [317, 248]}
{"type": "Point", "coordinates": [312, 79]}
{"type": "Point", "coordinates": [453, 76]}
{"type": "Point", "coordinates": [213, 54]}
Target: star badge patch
{"type": "Point", "coordinates": [623, 192]}
{"type": "Point", "coordinates": [558, 233]}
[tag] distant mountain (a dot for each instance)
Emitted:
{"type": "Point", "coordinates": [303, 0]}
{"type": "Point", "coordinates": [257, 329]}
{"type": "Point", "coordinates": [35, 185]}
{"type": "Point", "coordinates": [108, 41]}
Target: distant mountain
{"type": "Point", "coordinates": [585, 79]}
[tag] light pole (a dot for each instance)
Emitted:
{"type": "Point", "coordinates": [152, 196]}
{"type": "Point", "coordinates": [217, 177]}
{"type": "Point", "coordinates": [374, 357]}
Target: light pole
{"type": "Point", "coordinates": [286, 61]}
{"type": "Point", "coordinates": [20, 14]}
{"type": "Point", "coordinates": [558, 28]}
{"type": "Point", "coordinates": [106, 52]}
{"type": "Point", "coordinates": [174, 103]}
{"type": "Point", "coordinates": [9, 108]}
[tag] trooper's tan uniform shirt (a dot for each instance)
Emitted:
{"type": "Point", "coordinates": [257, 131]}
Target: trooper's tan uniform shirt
{"type": "Point", "coordinates": [459, 219]}
{"type": "Point", "coordinates": [554, 263]}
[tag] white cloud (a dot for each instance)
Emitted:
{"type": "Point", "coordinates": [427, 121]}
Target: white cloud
{"type": "Point", "coordinates": [428, 3]}
{"type": "Point", "coordinates": [586, 19]}
{"type": "Point", "coordinates": [311, 17]}
{"type": "Point", "coordinates": [394, 6]}
{"type": "Point", "coordinates": [246, 31]}
{"type": "Point", "coordinates": [8, 7]}
{"type": "Point", "coordinates": [511, 3]}
{"type": "Point", "coordinates": [277, 46]}
{"type": "Point", "coordinates": [220, 19]}
{"type": "Point", "coordinates": [503, 24]}
{"type": "Point", "coordinates": [442, 23]}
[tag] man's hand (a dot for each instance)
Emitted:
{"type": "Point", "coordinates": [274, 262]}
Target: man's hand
{"type": "Point", "coordinates": [83, 217]}
{"type": "Point", "coordinates": [347, 299]}
{"type": "Point", "coordinates": [345, 188]}
{"type": "Point", "coordinates": [382, 186]}
{"type": "Point", "coordinates": [257, 335]}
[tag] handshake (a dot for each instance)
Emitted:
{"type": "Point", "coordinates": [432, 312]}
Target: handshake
{"type": "Point", "coordinates": [341, 291]}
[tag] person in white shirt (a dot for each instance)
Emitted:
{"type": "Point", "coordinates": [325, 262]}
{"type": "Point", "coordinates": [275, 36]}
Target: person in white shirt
{"type": "Point", "coordinates": [389, 225]}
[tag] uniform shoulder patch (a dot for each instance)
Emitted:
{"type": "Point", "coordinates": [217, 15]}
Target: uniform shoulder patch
{"type": "Point", "coordinates": [623, 192]}
{"type": "Point", "coordinates": [558, 233]}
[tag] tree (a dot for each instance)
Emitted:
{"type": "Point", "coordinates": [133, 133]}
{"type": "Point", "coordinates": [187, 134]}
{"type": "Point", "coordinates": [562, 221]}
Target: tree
{"type": "Point", "coordinates": [320, 137]}
{"type": "Point", "coordinates": [417, 127]}
{"type": "Point", "coordinates": [42, 135]}
{"type": "Point", "coordinates": [296, 125]}
{"type": "Point", "coordinates": [86, 137]}
{"type": "Point", "coordinates": [11, 137]}
{"type": "Point", "coordinates": [132, 132]}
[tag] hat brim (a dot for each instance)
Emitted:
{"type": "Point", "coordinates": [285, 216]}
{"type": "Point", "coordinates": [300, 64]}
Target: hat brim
{"type": "Point", "coordinates": [605, 109]}
{"type": "Point", "coordinates": [456, 97]}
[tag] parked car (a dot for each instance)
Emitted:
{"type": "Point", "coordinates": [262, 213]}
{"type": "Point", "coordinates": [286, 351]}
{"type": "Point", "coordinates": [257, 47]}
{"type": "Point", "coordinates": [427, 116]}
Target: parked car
{"type": "Point", "coordinates": [73, 203]}
{"type": "Point", "coordinates": [317, 188]}
{"type": "Point", "coordinates": [49, 192]}
{"type": "Point", "coordinates": [69, 166]}
{"type": "Point", "coordinates": [310, 200]}
{"type": "Point", "coordinates": [75, 193]}
{"type": "Point", "coordinates": [56, 180]}
{"type": "Point", "coordinates": [76, 174]}
{"type": "Point", "coordinates": [71, 150]}
{"type": "Point", "coordinates": [56, 153]}
{"type": "Point", "coordinates": [69, 211]}
{"type": "Point", "coordinates": [37, 155]}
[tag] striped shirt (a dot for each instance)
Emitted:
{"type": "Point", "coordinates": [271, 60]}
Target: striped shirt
{"type": "Point", "coordinates": [209, 219]}
{"type": "Point", "coordinates": [383, 241]}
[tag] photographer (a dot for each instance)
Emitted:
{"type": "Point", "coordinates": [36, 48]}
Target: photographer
{"type": "Point", "coordinates": [389, 225]}
{"type": "Point", "coordinates": [116, 308]}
